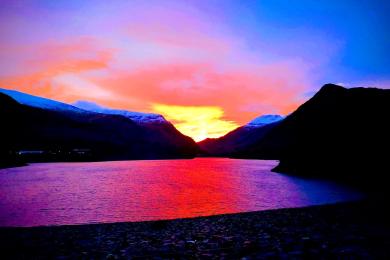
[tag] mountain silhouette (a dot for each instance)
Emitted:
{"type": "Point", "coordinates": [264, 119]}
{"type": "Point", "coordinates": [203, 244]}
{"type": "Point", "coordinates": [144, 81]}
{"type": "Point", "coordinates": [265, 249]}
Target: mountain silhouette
{"type": "Point", "coordinates": [338, 133]}
{"type": "Point", "coordinates": [61, 132]}
{"type": "Point", "coordinates": [235, 141]}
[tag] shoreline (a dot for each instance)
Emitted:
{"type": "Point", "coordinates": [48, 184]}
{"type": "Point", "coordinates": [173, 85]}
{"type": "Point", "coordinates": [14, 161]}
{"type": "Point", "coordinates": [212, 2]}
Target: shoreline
{"type": "Point", "coordinates": [357, 229]}
{"type": "Point", "coordinates": [176, 219]}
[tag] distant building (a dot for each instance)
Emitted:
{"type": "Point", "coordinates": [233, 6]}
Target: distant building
{"type": "Point", "coordinates": [29, 152]}
{"type": "Point", "coordinates": [81, 151]}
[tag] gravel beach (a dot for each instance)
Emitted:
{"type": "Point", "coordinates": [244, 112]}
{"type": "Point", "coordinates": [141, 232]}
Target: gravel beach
{"type": "Point", "coordinates": [345, 230]}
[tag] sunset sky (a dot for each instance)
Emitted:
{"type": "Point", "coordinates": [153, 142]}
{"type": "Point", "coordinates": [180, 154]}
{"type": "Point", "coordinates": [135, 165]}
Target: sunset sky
{"type": "Point", "coordinates": [207, 66]}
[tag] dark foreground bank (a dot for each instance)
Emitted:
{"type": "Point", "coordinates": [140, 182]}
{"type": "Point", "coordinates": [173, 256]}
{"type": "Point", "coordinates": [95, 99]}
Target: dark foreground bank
{"type": "Point", "coordinates": [359, 229]}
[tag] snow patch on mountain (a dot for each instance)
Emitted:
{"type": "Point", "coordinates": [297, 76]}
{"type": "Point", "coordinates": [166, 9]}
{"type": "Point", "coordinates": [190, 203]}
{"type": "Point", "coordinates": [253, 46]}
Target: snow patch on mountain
{"type": "Point", "coordinates": [264, 120]}
{"type": "Point", "coordinates": [81, 107]}
{"type": "Point", "coordinates": [138, 117]}
{"type": "Point", "coordinates": [39, 102]}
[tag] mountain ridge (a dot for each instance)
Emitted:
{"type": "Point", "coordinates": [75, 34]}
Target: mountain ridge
{"type": "Point", "coordinates": [39, 102]}
{"type": "Point", "coordinates": [325, 136]}
{"type": "Point", "coordinates": [239, 138]}
{"type": "Point", "coordinates": [103, 136]}
{"type": "Point", "coordinates": [80, 107]}
{"type": "Point", "coordinates": [138, 117]}
{"type": "Point", "coordinates": [264, 120]}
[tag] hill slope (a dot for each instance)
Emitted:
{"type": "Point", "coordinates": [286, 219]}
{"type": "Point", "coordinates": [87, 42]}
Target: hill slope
{"type": "Point", "coordinates": [338, 133]}
{"type": "Point", "coordinates": [240, 138]}
{"type": "Point", "coordinates": [104, 136]}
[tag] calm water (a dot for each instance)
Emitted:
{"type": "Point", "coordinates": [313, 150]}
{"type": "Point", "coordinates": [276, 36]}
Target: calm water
{"type": "Point", "coordinates": [74, 193]}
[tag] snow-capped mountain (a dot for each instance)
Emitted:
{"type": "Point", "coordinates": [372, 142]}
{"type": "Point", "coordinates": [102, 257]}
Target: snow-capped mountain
{"type": "Point", "coordinates": [239, 138]}
{"type": "Point", "coordinates": [138, 117]}
{"type": "Point", "coordinates": [40, 102]}
{"type": "Point", "coordinates": [264, 120]}
{"type": "Point", "coordinates": [39, 124]}
{"type": "Point", "coordinates": [81, 107]}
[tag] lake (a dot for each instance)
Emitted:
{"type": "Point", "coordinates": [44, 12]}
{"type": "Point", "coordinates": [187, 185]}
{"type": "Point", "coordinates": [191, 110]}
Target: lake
{"type": "Point", "coordinates": [96, 192]}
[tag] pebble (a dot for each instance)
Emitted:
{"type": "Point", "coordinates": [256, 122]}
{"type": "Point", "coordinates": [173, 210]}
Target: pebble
{"type": "Point", "coordinates": [290, 233]}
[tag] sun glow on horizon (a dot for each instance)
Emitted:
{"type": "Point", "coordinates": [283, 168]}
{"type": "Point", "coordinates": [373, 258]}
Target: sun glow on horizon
{"type": "Point", "coordinates": [198, 122]}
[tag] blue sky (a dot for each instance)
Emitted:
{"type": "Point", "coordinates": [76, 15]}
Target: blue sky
{"type": "Point", "coordinates": [357, 32]}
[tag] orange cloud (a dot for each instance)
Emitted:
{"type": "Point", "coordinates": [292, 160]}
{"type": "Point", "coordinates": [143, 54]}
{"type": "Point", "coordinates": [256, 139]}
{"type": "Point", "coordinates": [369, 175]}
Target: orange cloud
{"type": "Point", "coordinates": [198, 122]}
{"type": "Point", "coordinates": [241, 93]}
{"type": "Point", "coordinates": [83, 70]}
{"type": "Point", "coordinates": [54, 71]}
